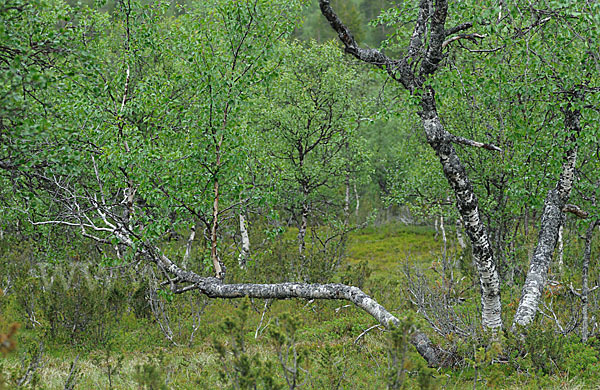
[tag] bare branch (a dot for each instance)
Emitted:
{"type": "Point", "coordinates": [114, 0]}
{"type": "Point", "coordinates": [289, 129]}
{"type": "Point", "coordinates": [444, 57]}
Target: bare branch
{"type": "Point", "coordinates": [459, 28]}
{"type": "Point", "coordinates": [471, 37]}
{"type": "Point", "coordinates": [465, 141]}
{"type": "Point", "coordinates": [378, 326]}
{"type": "Point", "coordinates": [574, 209]}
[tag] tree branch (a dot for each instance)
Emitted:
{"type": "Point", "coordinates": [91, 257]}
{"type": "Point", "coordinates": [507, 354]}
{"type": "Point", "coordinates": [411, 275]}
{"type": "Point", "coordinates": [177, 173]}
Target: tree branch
{"type": "Point", "coordinates": [472, 37]}
{"type": "Point", "coordinates": [465, 141]}
{"type": "Point", "coordinates": [574, 209]}
{"type": "Point", "coordinates": [368, 55]}
{"type": "Point", "coordinates": [459, 28]}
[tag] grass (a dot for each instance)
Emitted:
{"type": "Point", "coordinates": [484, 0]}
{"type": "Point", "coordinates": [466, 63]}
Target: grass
{"type": "Point", "coordinates": [388, 247]}
{"type": "Point", "coordinates": [324, 338]}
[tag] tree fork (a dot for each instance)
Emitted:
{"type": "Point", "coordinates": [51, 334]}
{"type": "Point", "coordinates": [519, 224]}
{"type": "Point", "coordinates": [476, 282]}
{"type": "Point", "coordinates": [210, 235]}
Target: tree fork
{"type": "Point", "coordinates": [437, 136]}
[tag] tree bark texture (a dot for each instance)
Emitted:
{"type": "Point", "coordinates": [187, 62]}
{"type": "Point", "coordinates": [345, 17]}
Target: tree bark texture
{"type": "Point", "coordinates": [437, 136]}
{"type": "Point", "coordinates": [215, 288]}
{"type": "Point", "coordinates": [468, 207]}
{"type": "Point", "coordinates": [245, 252]}
{"type": "Point", "coordinates": [552, 219]}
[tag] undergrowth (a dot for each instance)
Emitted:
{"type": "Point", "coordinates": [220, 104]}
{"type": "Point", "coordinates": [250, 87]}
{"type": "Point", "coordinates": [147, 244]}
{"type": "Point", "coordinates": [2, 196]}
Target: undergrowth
{"type": "Point", "coordinates": [94, 326]}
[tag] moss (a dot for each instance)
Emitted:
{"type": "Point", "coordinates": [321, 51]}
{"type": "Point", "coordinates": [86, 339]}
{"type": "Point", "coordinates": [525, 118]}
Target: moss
{"type": "Point", "coordinates": [387, 247]}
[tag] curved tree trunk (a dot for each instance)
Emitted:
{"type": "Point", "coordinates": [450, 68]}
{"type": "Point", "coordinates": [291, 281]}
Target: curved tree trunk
{"type": "Point", "coordinates": [215, 288]}
{"type": "Point", "coordinates": [430, 28]}
{"type": "Point", "coordinates": [468, 207]}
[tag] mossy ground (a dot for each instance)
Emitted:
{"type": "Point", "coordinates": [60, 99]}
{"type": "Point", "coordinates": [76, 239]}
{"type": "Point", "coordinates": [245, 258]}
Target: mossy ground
{"type": "Point", "coordinates": [325, 338]}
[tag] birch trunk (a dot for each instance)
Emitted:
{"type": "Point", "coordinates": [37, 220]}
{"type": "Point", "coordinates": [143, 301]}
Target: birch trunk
{"type": "Point", "coordinates": [188, 247]}
{"type": "Point", "coordinates": [585, 290]}
{"type": "Point", "coordinates": [468, 207]}
{"type": "Point", "coordinates": [552, 219]}
{"type": "Point", "coordinates": [560, 249]}
{"type": "Point", "coordinates": [459, 236]}
{"type": "Point", "coordinates": [357, 202]}
{"type": "Point", "coordinates": [302, 241]}
{"type": "Point", "coordinates": [214, 288]}
{"type": "Point", "coordinates": [214, 226]}
{"type": "Point", "coordinates": [426, 48]}
{"type": "Point", "coordinates": [347, 201]}
{"type": "Point", "coordinates": [445, 245]}
{"type": "Point", "coordinates": [245, 252]}
{"type": "Point", "coordinates": [214, 254]}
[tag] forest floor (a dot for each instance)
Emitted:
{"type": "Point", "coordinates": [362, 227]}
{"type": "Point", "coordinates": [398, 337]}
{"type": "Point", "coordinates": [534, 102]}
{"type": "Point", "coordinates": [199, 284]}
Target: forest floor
{"type": "Point", "coordinates": [322, 345]}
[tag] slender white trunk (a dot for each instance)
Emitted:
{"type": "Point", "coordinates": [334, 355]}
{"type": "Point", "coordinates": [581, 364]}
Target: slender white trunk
{"type": "Point", "coordinates": [245, 252]}
{"type": "Point", "coordinates": [560, 249]}
{"type": "Point", "coordinates": [445, 245]}
{"type": "Point", "coordinates": [214, 254]}
{"type": "Point", "coordinates": [585, 290]}
{"type": "Point", "coordinates": [459, 236]}
{"type": "Point", "coordinates": [302, 230]}
{"type": "Point", "coordinates": [552, 219]}
{"type": "Point", "coordinates": [188, 247]}
{"type": "Point", "coordinates": [357, 198]}
{"type": "Point", "coordinates": [347, 201]}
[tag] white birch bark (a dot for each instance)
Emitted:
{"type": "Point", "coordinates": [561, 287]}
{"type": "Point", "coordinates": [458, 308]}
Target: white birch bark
{"type": "Point", "coordinates": [445, 245]}
{"type": "Point", "coordinates": [468, 207]}
{"type": "Point", "coordinates": [585, 289]}
{"type": "Point", "coordinates": [347, 201]}
{"type": "Point", "coordinates": [188, 247]}
{"type": "Point", "coordinates": [459, 236]}
{"type": "Point", "coordinates": [552, 219]}
{"type": "Point", "coordinates": [426, 48]}
{"type": "Point", "coordinates": [357, 206]}
{"type": "Point", "coordinates": [560, 249]}
{"type": "Point", "coordinates": [245, 251]}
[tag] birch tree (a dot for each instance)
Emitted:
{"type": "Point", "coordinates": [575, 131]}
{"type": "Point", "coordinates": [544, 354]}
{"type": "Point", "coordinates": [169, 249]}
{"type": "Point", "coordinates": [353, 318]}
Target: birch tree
{"type": "Point", "coordinates": [156, 143]}
{"type": "Point", "coordinates": [422, 57]}
{"type": "Point", "coordinates": [309, 118]}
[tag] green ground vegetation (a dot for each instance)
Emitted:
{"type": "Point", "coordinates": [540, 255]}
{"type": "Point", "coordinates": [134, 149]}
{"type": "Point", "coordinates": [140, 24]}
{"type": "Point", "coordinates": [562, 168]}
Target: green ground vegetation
{"type": "Point", "coordinates": [105, 335]}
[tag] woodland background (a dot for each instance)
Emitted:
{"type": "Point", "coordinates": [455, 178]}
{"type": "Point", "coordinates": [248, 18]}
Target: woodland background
{"type": "Point", "coordinates": [153, 153]}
